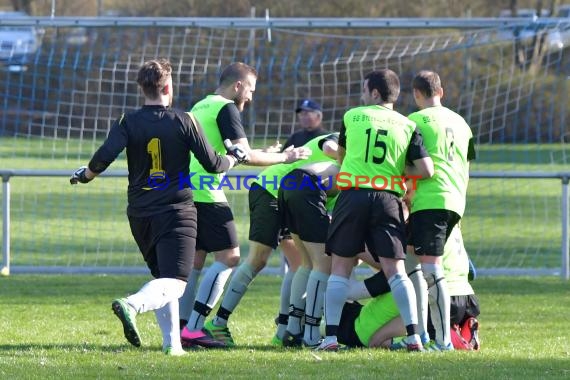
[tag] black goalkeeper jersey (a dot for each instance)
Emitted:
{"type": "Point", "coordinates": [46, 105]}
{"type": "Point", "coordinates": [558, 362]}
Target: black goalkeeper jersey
{"type": "Point", "coordinates": [158, 142]}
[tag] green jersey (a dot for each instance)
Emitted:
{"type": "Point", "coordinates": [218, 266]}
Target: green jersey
{"type": "Point", "coordinates": [456, 265]}
{"type": "Point", "coordinates": [207, 185]}
{"type": "Point", "coordinates": [270, 178]}
{"type": "Point", "coordinates": [377, 141]}
{"type": "Point", "coordinates": [447, 138]}
{"type": "Point", "coordinates": [376, 313]}
{"type": "Point", "coordinates": [382, 309]}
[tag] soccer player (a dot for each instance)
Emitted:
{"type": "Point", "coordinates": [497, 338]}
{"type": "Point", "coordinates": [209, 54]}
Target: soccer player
{"type": "Point", "coordinates": [305, 196]}
{"type": "Point", "coordinates": [160, 210]}
{"type": "Point", "coordinates": [377, 146]}
{"type": "Point", "coordinates": [310, 116]}
{"type": "Point", "coordinates": [264, 228]}
{"type": "Point", "coordinates": [219, 115]}
{"type": "Point", "coordinates": [464, 305]}
{"type": "Point", "coordinates": [439, 202]}
{"type": "Point", "coordinates": [378, 324]}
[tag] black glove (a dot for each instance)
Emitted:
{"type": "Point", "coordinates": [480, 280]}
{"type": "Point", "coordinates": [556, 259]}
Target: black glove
{"type": "Point", "coordinates": [79, 176]}
{"type": "Point", "coordinates": [237, 151]}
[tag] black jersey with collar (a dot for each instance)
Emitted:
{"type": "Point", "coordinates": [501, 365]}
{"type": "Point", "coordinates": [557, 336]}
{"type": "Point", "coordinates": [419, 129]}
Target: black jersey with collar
{"type": "Point", "coordinates": [158, 141]}
{"type": "Point", "coordinates": [303, 136]}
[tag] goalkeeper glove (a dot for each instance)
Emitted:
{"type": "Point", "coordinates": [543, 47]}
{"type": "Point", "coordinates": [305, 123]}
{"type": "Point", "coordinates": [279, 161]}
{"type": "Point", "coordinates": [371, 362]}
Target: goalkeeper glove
{"type": "Point", "coordinates": [79, 176]}
{"type": "Point", "coordinates": [237, 151]}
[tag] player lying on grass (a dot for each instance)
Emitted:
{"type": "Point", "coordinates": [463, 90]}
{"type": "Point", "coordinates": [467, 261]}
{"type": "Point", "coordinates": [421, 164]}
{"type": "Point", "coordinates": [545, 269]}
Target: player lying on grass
{"type": "Point", "coordinates": [378, 323]}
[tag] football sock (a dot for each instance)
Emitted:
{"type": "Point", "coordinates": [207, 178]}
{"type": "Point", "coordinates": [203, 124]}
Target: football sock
{"type": "Point", "coordinates": [357, 290]}
{"type": "Point", "coordinates": [284, 302]}
{"type": "Point", "coordinates": [404, 295]}
{"type": "Point", "coordinates": [316, 287]}
{"type": "Point", "coordinates": [156, 293]}
{"type": "Point", "coordinates": [439, 302]}
{"type": "Point", "coordinates": [335, 297]}
{"type": "Point", "coordinates": [167, 318]}
{"type": "Point", "coordinates": [297, 300]}
{"type": "Point", "coordinates": [209, 293]}
{"type": "Point", "coordinates": [186, 302]}
{"type": "Point", "coordinates": [237, 287]}
{"type": "Point", "coordinates": [377, 284]}
{"type": "Point", "coordinates": [420, 287]}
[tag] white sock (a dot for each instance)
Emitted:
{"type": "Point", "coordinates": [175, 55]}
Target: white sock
{"type": "Point", "coordinates": [316, 287]}
{"type": "Point", "coordinates": [237, 287]}
{"type": "Point", "coordinates": [284, 301]}
{"type": "Point", "coordinates": [186, 302]}
{"type": "Point", "coordinates": [297, 300]}
{"type": "Point", "coordinates": [335, 297]}
{"type": "Point", "coordinates": [420, 287]}
{"type": "Point", "coordinates": [168, 321]}
{"type": "Point", "coordinates": [439, 302]}
{"type": "Point", "coordinates": [209, 293]}
{"type": "Point", "coordinates": [156, 293]}
{"type": "Point", "coordinates": [357, 290]}
{"type": "Point", "coordinates": [404, 295]}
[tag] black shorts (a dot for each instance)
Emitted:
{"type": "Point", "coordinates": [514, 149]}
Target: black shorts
{"type": "Point", "coordinates": [216, 227]}
{"type": "Point", "coordinates": [264, 219]}
{"type": "Point", "coordinates": [430, 230]}
{"type": "Point", "coordinates": [346, 333]}
{"type": "Point", "coordinates": [167, 241]}
{"type": "Point", "coordinates": [462, 308]}
{"type": "Point", "coordinates": [302, 208]}
{"type": "Point", "coordinates": [370, 217]}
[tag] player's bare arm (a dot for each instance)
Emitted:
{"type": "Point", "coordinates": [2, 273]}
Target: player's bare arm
{"type": "Point", "coordinates": [257, 157]}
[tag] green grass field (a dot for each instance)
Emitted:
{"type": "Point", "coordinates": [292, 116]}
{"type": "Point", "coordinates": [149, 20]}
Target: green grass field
{"type": "Point", "coordinates": [62, 327]}
{"type": "Point", "coordinates": [508, 223]}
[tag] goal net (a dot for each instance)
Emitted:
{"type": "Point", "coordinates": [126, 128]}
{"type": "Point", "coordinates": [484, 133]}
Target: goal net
{"type": "Point", "coordinates": [58, 106]}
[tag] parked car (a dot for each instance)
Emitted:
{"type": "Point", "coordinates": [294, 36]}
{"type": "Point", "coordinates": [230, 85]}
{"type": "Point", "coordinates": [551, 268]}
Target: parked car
{"type": "Point", "coordinates": [18, 44]}
{"type": "Point", "coordinates": [563, 11]}
{"type": "Point", "coordinates": [557, 37]}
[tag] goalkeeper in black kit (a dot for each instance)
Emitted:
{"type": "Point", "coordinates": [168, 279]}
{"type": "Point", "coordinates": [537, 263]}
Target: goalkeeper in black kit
{"type": "Point", "coordinates": [161, 212]}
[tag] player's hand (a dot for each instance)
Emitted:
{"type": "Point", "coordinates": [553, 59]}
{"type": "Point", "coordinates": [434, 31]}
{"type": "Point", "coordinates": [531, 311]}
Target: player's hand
{"type": "Point", "coordinates": [79, 176]}
{"type": "Point", "coordinates": [275, 148]}
{"type": "Point", "coordinates": [237, 151]}
{"type": "Point", "coordinates": [293, 154]}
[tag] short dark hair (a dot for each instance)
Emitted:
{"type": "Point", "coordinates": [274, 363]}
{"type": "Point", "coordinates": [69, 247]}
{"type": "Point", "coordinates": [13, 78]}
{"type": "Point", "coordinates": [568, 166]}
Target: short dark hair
{"type": "Point", "coordinates": [152, 77]}
{"type": "Point", "coordinates": [386, 82]}
{"type": "Point", "coordinates": [236, 71]}
{"type": "Point", "coordinates": [427, 82]}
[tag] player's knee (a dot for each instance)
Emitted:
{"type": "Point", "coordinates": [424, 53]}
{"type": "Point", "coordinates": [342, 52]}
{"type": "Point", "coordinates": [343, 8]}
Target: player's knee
{"type": "Point", "coordinates": [229, 257]}
{"type": "Point", "coordinates": [257, 260]}
{"type": "Point", "coordinates": [432, 273]}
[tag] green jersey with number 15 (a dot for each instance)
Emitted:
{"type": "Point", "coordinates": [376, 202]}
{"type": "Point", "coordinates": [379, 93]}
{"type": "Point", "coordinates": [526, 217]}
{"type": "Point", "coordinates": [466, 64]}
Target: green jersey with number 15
{"type": "Point", "coordinates": [447, 138]}
{"type": "Point", "coordinates": [377, 139]}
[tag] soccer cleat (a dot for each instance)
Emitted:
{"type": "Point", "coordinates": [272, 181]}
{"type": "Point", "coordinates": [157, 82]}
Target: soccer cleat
{"type": "Point", "coordinates": [401, 343]}
{"type": "Point", "coordinates": [202, 338]}
{"type": "Point", "coordinates": [170, 351]}
{"type": "Point", "coordinates": [312, 346]}
{"type": "Point", "coordinates": [433, 346]}
{"type": "Point", "coordinates": [220, 333]}
{"type": "Point", "coordinates": [328, 344]}
{"type": "Point", "coordinates": [127, 315]}
{"type": "Point", "coordinates": [292, 340]}
{"type": "Point", "coordinates": [276, 342]}
{"type": "Point", "coordinates": [470, 332]}
{"type": "Point", "coordinates": [459, 343]}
